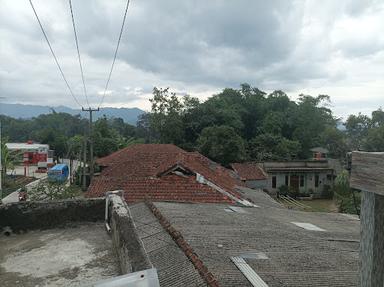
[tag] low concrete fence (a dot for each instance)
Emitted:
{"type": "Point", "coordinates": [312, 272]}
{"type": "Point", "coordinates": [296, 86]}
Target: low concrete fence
{"type": "Point", "coordinates": [127, 244]}
{"type": "Point", "coordinates": [23, 216]}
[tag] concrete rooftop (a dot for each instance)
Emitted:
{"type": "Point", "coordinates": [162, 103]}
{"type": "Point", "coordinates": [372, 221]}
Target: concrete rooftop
{"type": "Point", "coordinates": [77, 255]}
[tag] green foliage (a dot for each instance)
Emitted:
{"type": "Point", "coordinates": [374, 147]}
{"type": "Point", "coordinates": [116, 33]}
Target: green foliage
{"type": "Point", "coordinates": [357, 130]}
{"type": "Point", "coordinates": [272, 147]}
{"type": "Point", "coordinates": [327, 192]}
{"type": "Point", "coordinates": [289, 191]}
{"type": "Point", "coordinates": [350, 204]}
{"type": "Point", "coordinates": [222, 144]}
{"type": "Point", "coordinates": [7, 161]}
{"type": "Point", "coordinates": [166, 119]}
{"type": "Point", "coordinates": [335, 141]}
{"type": "Point", "coordinates": [233, 125]}
{"type": "Point", "coordinates": [347, 198]}
{"type": "Point", "coordinates": [65, 133]}
{"type": "Point", "coordinates": [375, 139]}
{"type": "Point", "coordinates": [283, 190]}
{"type": "Point", "coordinates": [271, 126]}
{"type": "Point", "coordinates": [46, 190]}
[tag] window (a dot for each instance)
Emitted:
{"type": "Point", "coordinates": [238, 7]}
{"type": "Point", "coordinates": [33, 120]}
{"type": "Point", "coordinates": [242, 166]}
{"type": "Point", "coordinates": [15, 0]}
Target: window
{"type": "Point", "coordinates": [316, 180]}
{"type": "Point", "coordinates": [273, 181]}
{"type": "Point", "coordinates": [301, 180]}
{"type": "Point", "coordinates": [286, 180]}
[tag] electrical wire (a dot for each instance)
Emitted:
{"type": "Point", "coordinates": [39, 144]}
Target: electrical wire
{"type": "Point", "coordinates": [78, 52]}
{"type": "Point", "coordinates": [114, 57]}
{"type": "Point", "coordinates": [53, 54]}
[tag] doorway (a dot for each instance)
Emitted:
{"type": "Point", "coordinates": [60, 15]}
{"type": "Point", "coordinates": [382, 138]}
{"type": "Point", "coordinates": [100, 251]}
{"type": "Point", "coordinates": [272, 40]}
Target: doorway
{"type": "Point", "coordinates": [295, 182]}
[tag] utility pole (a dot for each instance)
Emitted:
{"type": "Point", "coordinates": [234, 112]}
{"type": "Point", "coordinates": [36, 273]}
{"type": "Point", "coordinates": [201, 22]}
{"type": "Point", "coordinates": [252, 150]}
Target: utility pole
{"type": "Point", "coordinates": [91, 161]}
{"type": "Point", "coordinates": [1, 160]}
{"type": "Point", "coordinates": [1, 164]}
{"type": "Point", "coordinates": [84, 182]}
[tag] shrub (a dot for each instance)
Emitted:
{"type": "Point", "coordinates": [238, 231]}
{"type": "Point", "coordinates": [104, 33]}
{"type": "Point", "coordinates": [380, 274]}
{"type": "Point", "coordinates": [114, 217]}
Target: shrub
{"type": "Point", "coordinates": [46, 190]}
{"type": "Point", "coordinates": [283, 190]}
{"type": "Point", "coordinates": [292, 192]}
{"type": "Point", "coordinates": [327, 192]}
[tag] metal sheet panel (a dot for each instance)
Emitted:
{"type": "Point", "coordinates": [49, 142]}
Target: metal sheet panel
{"type": "Point", "coordinates": [254, 255]}
{"type": "Point", "coordinates": [308, 226]}
{"type": "Point", "coordinates": [237, 209]}
{"type": "Point", "coordinates": [248, 272]}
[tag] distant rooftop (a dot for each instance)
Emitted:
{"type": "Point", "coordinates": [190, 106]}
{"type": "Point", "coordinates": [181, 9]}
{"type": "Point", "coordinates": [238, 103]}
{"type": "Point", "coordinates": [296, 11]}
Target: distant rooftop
{"type": "Point", "coordinates": [164, 172]}
{"type": "Point", "coordinates": [249, 171]}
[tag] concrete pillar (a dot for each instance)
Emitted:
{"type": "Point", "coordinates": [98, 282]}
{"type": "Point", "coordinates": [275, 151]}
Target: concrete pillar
{"type": "Point", "coordinates": [372, 240]}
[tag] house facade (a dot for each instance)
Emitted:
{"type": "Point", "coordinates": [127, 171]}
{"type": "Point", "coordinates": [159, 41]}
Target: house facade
{"type": "Point", "coordinates": [312, 178]}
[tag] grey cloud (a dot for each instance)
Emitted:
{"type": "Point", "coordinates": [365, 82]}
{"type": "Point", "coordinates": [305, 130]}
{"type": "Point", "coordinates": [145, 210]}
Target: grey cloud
{"type": "Point", "coordinates": [191, 45]}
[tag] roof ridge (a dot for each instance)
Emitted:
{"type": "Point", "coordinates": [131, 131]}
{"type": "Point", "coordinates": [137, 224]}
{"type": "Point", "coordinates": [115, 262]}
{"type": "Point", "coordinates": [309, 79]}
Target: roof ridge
{"type": "Point", "coordinates": [176, 235]}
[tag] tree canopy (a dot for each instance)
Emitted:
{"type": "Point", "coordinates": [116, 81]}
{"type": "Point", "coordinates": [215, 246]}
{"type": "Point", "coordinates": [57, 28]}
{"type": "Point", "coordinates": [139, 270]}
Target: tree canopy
{"type": "Point", "coordinates": [246, 124]}
{"type": "Point", "coordinates": [235, 125]}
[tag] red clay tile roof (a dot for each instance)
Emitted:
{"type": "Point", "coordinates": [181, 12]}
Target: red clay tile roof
{"type": "Point", "coordinates": [249, 171]}
{"type": "Point", "coordinates": [148, 171]}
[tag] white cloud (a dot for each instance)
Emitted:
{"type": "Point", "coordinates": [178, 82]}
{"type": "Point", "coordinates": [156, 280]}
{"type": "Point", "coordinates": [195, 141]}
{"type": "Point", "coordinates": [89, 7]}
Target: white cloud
{"type": "Point", "coordinates": [195, 47]}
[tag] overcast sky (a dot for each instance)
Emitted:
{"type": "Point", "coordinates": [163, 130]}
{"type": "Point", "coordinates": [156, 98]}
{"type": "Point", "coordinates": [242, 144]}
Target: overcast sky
{"type": "Point", "coordinates": [197, 47]}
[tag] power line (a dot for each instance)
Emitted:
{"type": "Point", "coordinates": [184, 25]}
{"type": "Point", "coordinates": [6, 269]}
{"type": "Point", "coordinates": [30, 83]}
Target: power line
{"type": "Point", "coordinates": [53, 54]}
{"type": "Point", "coordinates": [114, 57]}
{"type": "Point", "coordinates": [78, 52]}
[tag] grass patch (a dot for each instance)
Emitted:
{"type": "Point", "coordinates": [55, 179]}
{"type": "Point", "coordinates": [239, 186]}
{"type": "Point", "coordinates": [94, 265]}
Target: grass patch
{"type": "Point", "coordinates": [315, 205]}
{"type": "Point", "coordinates": [324, 205]}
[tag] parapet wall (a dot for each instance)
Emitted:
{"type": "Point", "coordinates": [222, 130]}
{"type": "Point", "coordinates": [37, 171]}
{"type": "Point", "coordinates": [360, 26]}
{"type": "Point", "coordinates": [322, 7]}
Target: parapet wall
{"type": "Point", "coordinates": [127, 244]}
{"type": "Point", "coordinates": [22, 216]}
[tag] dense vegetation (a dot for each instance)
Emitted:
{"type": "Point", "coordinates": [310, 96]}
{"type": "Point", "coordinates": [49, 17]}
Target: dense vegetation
{"type": "Point", "coordinates": [65, 133]}
{"type": "Point", "coordinates": [249, 124]}
{"type": "Point", "coordinates": [234, 125]}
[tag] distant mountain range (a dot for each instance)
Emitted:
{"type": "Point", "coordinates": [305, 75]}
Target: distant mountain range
{"type": "Point", "coordinates": [129, 115]}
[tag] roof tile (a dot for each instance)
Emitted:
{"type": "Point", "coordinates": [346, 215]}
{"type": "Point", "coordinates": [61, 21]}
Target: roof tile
{"type": "Point", "coordinates": [145, 171]}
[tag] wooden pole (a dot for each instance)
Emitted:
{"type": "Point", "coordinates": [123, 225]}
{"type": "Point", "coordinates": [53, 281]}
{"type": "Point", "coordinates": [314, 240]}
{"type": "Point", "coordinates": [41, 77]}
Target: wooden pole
{"type": "Point", "coordinates": [91, 160]}
{"type": "Point", "coordinates": [372, 240]}
{"type": "Point", "coordinates": [368, 176]}
{"type": "Point", "coordinates": [84, 182]}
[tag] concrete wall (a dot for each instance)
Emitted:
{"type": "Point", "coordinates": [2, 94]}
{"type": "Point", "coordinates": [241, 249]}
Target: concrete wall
{"type": "Point", "coordinates": [22, 216]}
{"type": "Point", "coordinates": [295, 164]}
{"type": "Point", "coordinates": [127, 244]}
{"type": "Point", "coordinates": [256, 184]}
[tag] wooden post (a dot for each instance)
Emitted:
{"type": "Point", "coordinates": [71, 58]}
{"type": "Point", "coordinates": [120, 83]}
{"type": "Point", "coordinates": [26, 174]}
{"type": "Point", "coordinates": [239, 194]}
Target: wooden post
{"type": "Point", "coordinates": [368, 176]}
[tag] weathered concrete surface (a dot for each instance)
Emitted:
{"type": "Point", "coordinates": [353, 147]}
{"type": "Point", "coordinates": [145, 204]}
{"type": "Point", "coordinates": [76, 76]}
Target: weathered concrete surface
{"type": "Point", "coordinates": [372, 240]}
{"type": "Point", "coordinates": [127, 244]}
{"type": "Point", "coordinates": [296, 257]}
{"type": "Point", "coordinates": [74, 256]}
{"type": "Point", "coordinates": [50, 214]}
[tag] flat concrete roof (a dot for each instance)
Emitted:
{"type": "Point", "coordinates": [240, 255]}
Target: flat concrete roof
{"type": "Point", "coordinates": [77, 255]}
